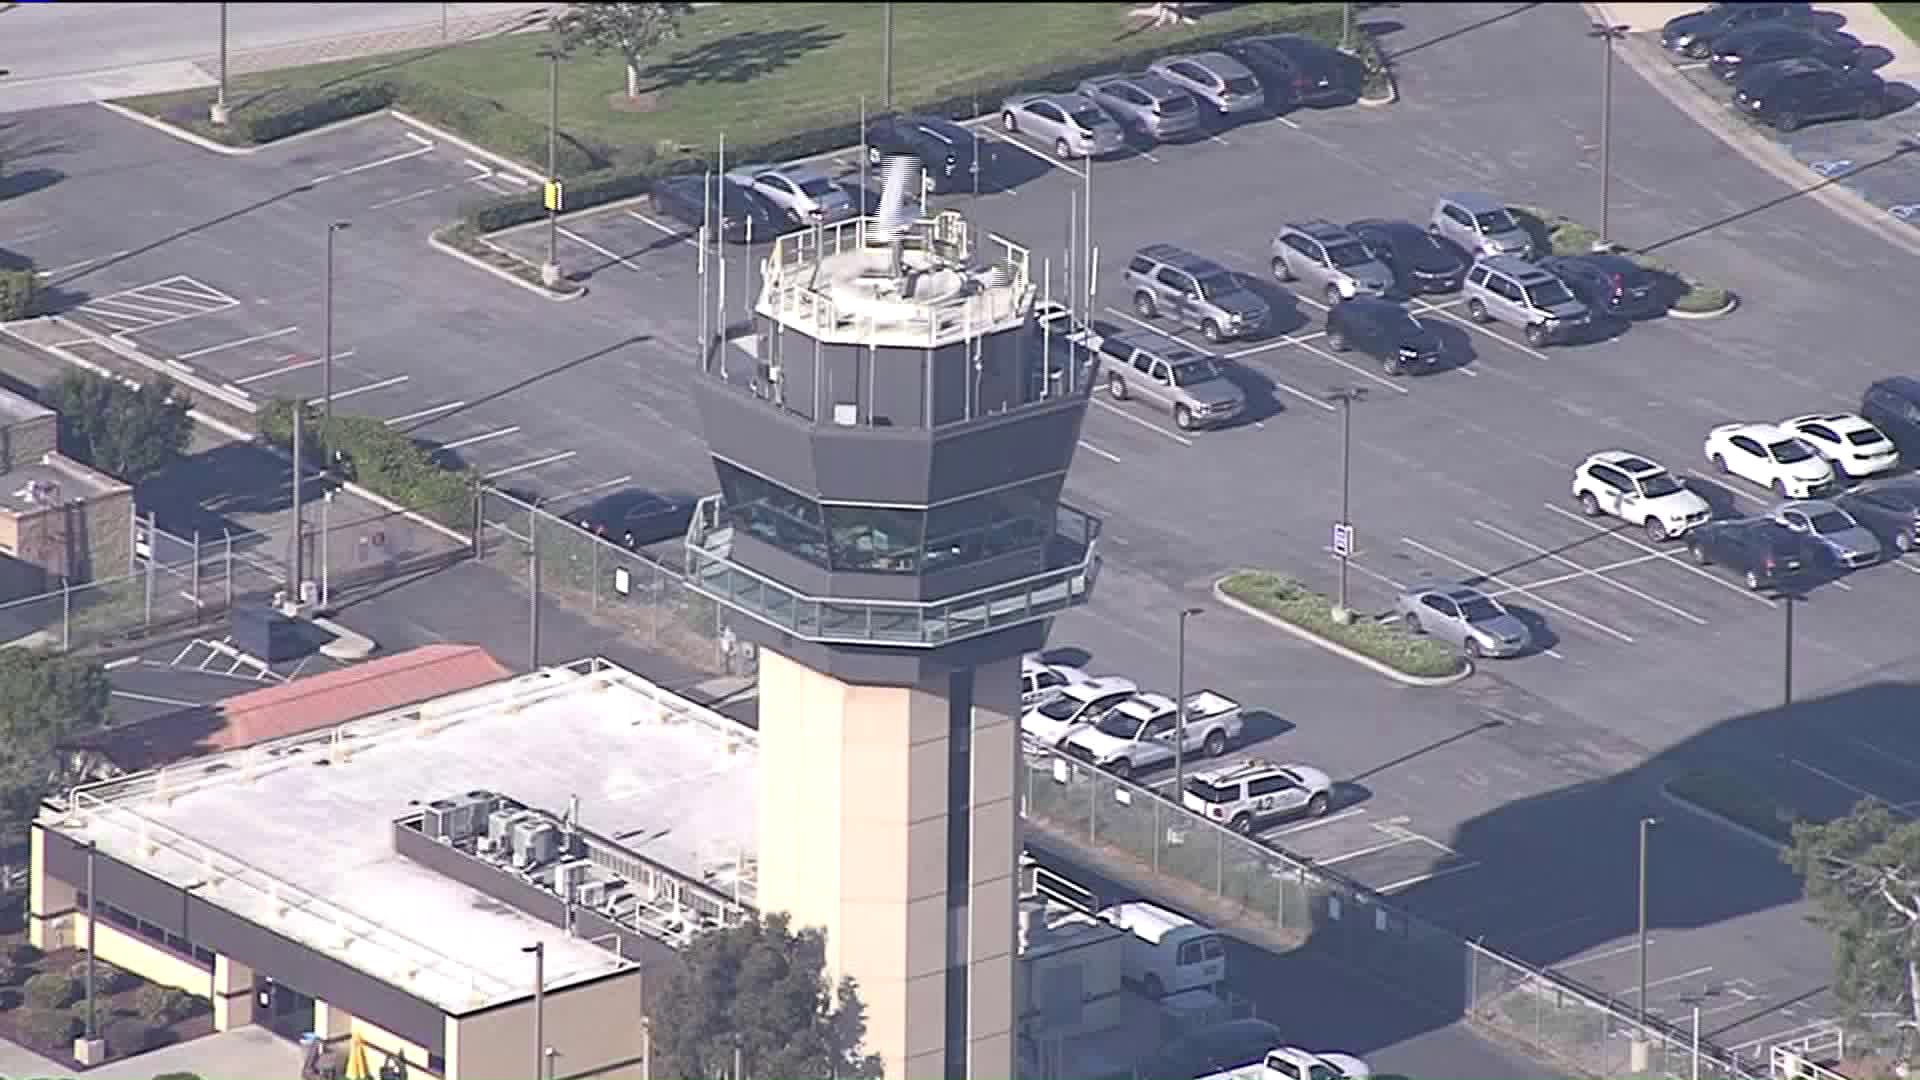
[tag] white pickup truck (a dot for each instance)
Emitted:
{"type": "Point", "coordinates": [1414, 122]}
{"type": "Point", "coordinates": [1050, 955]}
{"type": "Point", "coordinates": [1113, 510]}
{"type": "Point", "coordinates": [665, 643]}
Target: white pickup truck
{"type": "Point", "coordinates": [1293, 1063]}
{"type": "Point", "coordinates": [1139, 733]}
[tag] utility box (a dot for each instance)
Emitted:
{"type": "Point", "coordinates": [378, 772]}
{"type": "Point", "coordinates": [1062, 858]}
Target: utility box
{"type": "Point", "coordinates": [267, 635]}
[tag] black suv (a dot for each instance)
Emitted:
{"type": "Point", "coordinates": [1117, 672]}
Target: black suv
{"type": "Point", "coordinates": [1788, 93]}
{"type": "Point", "coordinates": [1694, 33]}
{"type": "Point", "coordinates": [1765, 552]}
{"type": "Point", "coordinates": [1763, 44]}
{"type": "Point", "coordinates": [1609, 284]}
{"type": "Point", "coordinates": [1893, 406]}
{"type": "Point", "coordinates": [1422, 262]}
{"type": "Point", "coordinates": [1296, 70]}
{"type": "Point", "coordinates": [1383, 330]}
{"type": "Point", "coordinates": [946, 150]}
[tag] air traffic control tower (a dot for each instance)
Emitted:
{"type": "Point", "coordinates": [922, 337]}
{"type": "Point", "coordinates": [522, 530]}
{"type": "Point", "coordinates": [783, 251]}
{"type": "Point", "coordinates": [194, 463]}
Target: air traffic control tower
{"type": "Point", "coordinates": [891, 438]}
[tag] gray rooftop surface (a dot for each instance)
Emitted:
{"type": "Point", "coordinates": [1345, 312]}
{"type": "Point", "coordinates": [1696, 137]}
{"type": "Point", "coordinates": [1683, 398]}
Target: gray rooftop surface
{"type": "Point", "coordinates": [37, 485]}
{"type": "Point", "coordinates": [18, 408]}
{"type": "Point", "coordinates": [297, 834]}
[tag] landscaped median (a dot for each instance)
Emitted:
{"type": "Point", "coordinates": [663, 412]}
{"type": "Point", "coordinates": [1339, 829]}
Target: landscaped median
{"type": "Point", "coordinates": [1686, 296]}
{"type": "Point", "coordinates": [1737, 800]}
{"type": "Point", "coordinates": [368, 452]}
{"type": "Point", "coordinates": [1378, 643]}
{"type": "Point", "coordinates": [779, 81]}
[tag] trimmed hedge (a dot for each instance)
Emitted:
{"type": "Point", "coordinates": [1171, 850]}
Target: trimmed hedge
{"type": "Point", "coordinates": [1285, 598]}
{"type": "Point", "coordinates": [51, 990]}
{"type": "Point", "coordinates": [368, 452]}
{"type": "Point", "coordinates": [1566, 236]}
{"type": "Point", "coordinates": [129, 1035]}
{"type": "Point", "coordinates": [107, 979]}
{"type": "Point", "coordinates": [289, 112]}
{"type": "Point", "coordinates": [47, 1028]}
{"type": "Point", "coordinates": [161, 1005]}
{"type": "Point", "coordinates": [592, 189]}
{"type": "Point", "coordinates": [19, 293]}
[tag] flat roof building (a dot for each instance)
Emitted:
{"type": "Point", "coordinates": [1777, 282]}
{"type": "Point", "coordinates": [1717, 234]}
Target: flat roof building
{"type": "Point", "coordinates": [313, 883]}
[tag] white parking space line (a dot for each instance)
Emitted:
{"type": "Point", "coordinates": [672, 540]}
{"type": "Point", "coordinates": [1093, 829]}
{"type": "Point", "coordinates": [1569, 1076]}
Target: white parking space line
{"type": "Point", "coordinates": [144, 310]}
{"type": "Point", "coordinates": [678, 234]}
{"type": "Point", "coordinates": [1290, 339]}
{"type": "Point", "coordinates": [1305, 825]}
{"type": "Point", "coordinates": [1148, 424]}
{"type": "Point", "coordinates": [1617, 950]}
{"type": "Point", "coordinates": [1434, 309]}
{"type": "Point", "coordinates": [1521, 589]}
{"type": "Point", "coordinates": [1085, 445]}
{"type": "Point", "coordinates": [598, 249]}
{"type": "Point", "coordinates": [1849, 785]}
{"type": "Point", "coordinates": [1369, 850]}
{"type": "Point", "coordinates": [1374, 574]}
{"type": "Point", "coordinates": [1577, 575]}
{"type": "Point", "coordinates": [589, 489]}
{"type": "Point", "coordinates": [1881, 751]}
{"type": "Point", "coordinates": [1356, 369]}
{"type": "Point", "coordinates": [423, 413]}
{"type": "Point", "coordinates": [421, 194]}
{"type": "Point", "coordinates": [536, 463]}
{"type": "Point", "coordinates": [1211, 137]}
{"type": "Point", "coordinates": [1667, 555]}
{"type": "Point", "coordinates": [268, 336]}
{"type": "Point", "coordinates": [1014, 141]}
{"type": "Point", "coordinates": [290, 363]}
{"type": "Point", "coordinates": [1694, 974]}
{"type": "Point", "coordinates": [183, 289]}
{"type": "Point", "coordinates": [1389, 890]}
{"type": "Point", "coordinates": [1590, 572]}
{"type": "Point", "coordinates": [388, 160]}
{"type": "Point", "coordinates": [473, 439]}
{"type": "Point", "coordinates": [1289, 123]}
{"type": "Point", "coordinates": [83, 263]}
{"type": "Point", "coordinates": [366, 389]}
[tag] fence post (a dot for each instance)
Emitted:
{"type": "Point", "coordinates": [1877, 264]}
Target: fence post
{"type": "Point", "coordinates": [1159, 835]}
{"type": "Point", "coordinates": [593, 568]}
{"type": "Point", "coordinates": [133, 542]}
{"type": "Point", "coordinates": [66, 613]}
{"type": "Point", "coordinates": [228, 535]}
{"type": "Point", "coordinates": [1093, 807]}
{"type": "Point", "coordinates": [656, 595]}
{"type": "Point", "coordinates": [1219, 862]}
{"type": "Point", "coordinates": [1473, 979]}
{"type": "Point", "coordinates": [152, 550]}
{"type": "Point", "coordinates": [479, 517]}
{"type": "Point", "coordinates": [1279, 900]}
{"type": "Point", "coordinates": [196, 571]}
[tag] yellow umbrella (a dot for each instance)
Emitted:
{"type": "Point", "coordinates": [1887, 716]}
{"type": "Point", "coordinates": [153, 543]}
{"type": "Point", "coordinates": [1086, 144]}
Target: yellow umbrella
{"type": "Point", "coordinates": [357, 1068]}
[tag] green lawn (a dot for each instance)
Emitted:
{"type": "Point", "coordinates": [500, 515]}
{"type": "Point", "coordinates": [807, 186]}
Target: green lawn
{"type": "Point", "coordinates": [1905, 16]}
{"type": "Point", "coordinates": [757, 71]}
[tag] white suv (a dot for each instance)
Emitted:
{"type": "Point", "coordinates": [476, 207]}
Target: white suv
{"type": "Point", "coordinates": [1636, 490]}
{"type": "Point", "coordinates": [1241, 794]}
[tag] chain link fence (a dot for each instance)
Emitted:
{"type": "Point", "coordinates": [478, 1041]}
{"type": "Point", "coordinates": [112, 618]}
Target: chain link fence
{"type": "Point", "coordinates": [1284, 896]}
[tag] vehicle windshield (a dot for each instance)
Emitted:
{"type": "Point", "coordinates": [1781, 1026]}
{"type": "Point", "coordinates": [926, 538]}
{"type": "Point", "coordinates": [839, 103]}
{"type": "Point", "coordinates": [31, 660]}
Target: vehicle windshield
{"type": "Point", "coordinates": [1654, 487]}
{"type": "Point", "coordinates": [1212, 793]}
{"type": "Point", "coordinates": [1061, 708]}
{"type": "Point", "coordinates": [1495, 221]}
{"type": "Point", "coordinates": [1788, 451]}
{"type": "Point", "coordinates": [1479, 610]}
{"type": "Point", "coordinates": [1548, 294]}
{"type": "Point", "coordinates": [1406, 324]}
{"type": "Point", "coordinates": [1088, 117]}
{"type": "Point", "coordinates": [1352, 253]}
{"type": "Point", "coordinates": [1241, 84]}
{"type": "Point", "coordinates": [1215, 286]}
{"type": "Point", "coordinates": [1866, 437]}
{"type": "Point", "coordinates": [1195, 372]}
{"type": "Point", "coordinates": [1831, 522]}
{"type": "Point", "coordinates": [1322, 1071]}
{"type": "Point", "coordinates": [817, 186]}
{"type": "Point", "coordinates": [1119, 725]}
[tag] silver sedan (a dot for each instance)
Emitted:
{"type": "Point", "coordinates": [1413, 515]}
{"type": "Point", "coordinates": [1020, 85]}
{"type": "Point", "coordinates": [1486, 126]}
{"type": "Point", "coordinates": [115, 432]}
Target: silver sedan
{"type": "Point", "coordinates": [1850, 543]}
{"type": "Point", "coordinates": [1072, 125]}
{"type": "Point", "coordinates": [1464, 617]}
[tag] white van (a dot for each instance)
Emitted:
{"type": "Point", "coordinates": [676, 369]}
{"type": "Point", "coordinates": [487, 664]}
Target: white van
{"type": "Point", "coordinates": [1167, 953]}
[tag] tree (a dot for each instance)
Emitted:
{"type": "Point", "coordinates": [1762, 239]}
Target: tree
{"type": "Point", "coordinates": [131, 432]}
{"type": "Point", "coordinates": [762, 989]}
{"type": "Point", "coordinates": [45, 698]}
{"type": "Point", "coordinates": [1862, 873]}
{"type": "Point", "coordinates": [628, 29]}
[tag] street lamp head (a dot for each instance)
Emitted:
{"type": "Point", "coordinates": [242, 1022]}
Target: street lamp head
{"type": "Point", "coordinates": [1187, 613]}
{"type": "Point", "coordinates": [1612, 32]}
{"type": "Point", "coordinates": [339, 226]}
{"type": "Point", "coordinates": [534, 949]}
{"type": "Point", "coordinates": [1649, 822]}
{"type": "Point", "coordinates": [1346, 395]}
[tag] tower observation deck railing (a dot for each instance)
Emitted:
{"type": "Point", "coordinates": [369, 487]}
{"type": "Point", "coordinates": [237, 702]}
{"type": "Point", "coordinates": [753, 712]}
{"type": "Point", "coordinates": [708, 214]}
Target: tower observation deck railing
{"type": "Point", "coordinates": [1066, 583]}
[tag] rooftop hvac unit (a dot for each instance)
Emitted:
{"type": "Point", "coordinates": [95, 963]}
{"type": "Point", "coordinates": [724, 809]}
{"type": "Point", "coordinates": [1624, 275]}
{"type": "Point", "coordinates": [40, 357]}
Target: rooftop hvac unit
{"type": "Point", "coordinates": [569, 876]}
{"type": "Point", "coordinates": [500, 826]}
{"type": "Point", "coordinates": [469, 815]}
{"type": "Point", "coordinates": [435, 822]}
{"type": "Point", "coordinates": [593, 894]}
{"type": "Point", "coordinates": [535, 841]}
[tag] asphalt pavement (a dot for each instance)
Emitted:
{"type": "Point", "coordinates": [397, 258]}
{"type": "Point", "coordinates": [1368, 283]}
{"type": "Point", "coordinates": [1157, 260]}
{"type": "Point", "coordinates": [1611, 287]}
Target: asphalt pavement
{"type": "Point", "coordinates": [1519, 791]}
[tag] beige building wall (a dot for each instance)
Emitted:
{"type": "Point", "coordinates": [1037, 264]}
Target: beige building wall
{"type": "Point", "coordinates": [594, 1029]}
{"type": "Point", "coordinates": [130, 952]}
{"type": "Point", "coordinates": [860, 850]}
{"type": "Point", "coordinates": [49, 900]}
{"type": "Point", "coordinates": [233, 996]}
{"type": "Point", "coordinates": [28, 440]}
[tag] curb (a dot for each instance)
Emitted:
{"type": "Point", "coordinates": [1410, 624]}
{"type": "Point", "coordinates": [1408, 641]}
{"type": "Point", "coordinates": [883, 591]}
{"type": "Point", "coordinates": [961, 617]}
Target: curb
{"type": "Point", "coordinates": [1718, 818]}
{"type": "Point", "coordinates": [522, 171]}
{"type": "Point", "coordinates": [1732, 305]}
{"type": "Point", "coordinates": [1334, 647]}
{"type": "Point", "coordinates": [205, 143]}
{"type": "Point", "coordinates": [481, 264]}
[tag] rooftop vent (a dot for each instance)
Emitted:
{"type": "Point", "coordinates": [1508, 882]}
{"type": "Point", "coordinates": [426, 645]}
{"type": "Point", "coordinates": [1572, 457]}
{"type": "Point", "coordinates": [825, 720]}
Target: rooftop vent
{"type": "Point", "coordinates": [38, 492]}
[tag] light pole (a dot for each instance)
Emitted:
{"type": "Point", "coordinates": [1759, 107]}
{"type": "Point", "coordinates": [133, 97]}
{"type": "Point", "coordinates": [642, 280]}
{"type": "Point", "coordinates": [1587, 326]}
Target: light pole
{"type": "Point", "coordinates": [218, 114]}
{"type": "Point", "coordinates": [1608, 33]}
{"type": "Point", "coordinates": [1787, 599]}
{"type": "Point", "coordinates": [1180, 708]}
{"type": "Point", "coordinates": [93, 848]}
{"type": "Point", "coordinates": [550, 270]}
{"type": "Point", "coordinates": [539, 951]}
{"type": "Point", "coordinates": [326, 364]}
{"type": "Point", "coordinates": [886, 57]}
{"type": "Point", "coordinates": [1646, 826]}
{"type": "Point", "coordinates": [1346, 25]}
{"type": "Point", "coordinates": [1345, 396]}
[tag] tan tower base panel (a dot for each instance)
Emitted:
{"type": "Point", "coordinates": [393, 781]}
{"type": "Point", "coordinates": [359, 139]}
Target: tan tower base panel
{"type": "Point", "coordinates": [855, 824]}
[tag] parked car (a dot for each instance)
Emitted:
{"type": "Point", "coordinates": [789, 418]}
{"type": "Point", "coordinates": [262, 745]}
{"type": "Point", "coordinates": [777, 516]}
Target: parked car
{"type": "Point", "coordinates": [635, 519]}
{"type": "Point", "coordinates": [1329, 259]}
{"type": "Point", "coordinates": [1217, 1051]}
{"type": "Point", "coordinates": [1146, 105]}
{"type": "Point", "coordinates": [1295, 70]}
{"type": "Point", "coordinates": [1194, 291]}
{"type": "Point", "coordinates": [1385, 331]}
{"type": "Point", "coordinates": [1041, 682]}
{"type": "Point", "coordinates": [1502, 288]}
{"type": "Point", "coordinates": [1740, 51]}
{"type": "Point", "coordinates": [1787, 94]}
{"type": "Point", "coordinates": [1610, 285]}
{"type": "Point", "coordinates": [1893, 513]}
{"type": "Point", "coordinates": [741, 210]}
{"type": "Point", "coordinates": [1765, 553]}
{"type": "Point", "coordinates": [802, 192]}
{"type": "Point", "coordinates": [1893, 406]}
{"type": "Point", "coordinates": [949, 154]}
{"type": "Point", "coordinates": [1771, 456]}
{"type": "Point", "coordinates": [1421, 262]}
{"type": "Point", "coordinates": [1832, 529]}
{"type": "Point", "coordinates": [1634, 489]}
{"type": "Point", "coordinates": [1140, 733]}
{"type": "Point", "coordinates": [1246, 793]}
{"type": "Point", "coordinates": [1693, 34]}
{"type": "Point", "coordinates": [1856, 448]}
{"type": "Point", "coordinates": [1072, 125]}
{"type": "Point", "coordinates": [1223, 85]}
{"type": "Point", "coordinates": [1479, 225]}
{"type": "Point", "coordinates": [1075, 706]}
{"type": "Point", "coordinates": [1293, 1063]}
{"type": "Point", "coordinates": [1171, 375]}
{"type": "Point", "coordinates": [1465, 618]}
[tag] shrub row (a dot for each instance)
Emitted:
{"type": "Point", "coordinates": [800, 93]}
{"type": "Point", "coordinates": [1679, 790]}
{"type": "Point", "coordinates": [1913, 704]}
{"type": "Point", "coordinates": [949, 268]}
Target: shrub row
{"type": "Point", "coordinates": [1566, 236]}
{"type": "Point", "coordinates": [1285, 598]}
{"type": "Point", "coordinates": [281, 113]}
{"type": "Point", "coordinates": [19, 293]}
{"type": "Point", "coordinates": [368, 452]}
{"type": "Point", "coordinates": [1739, 801]}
